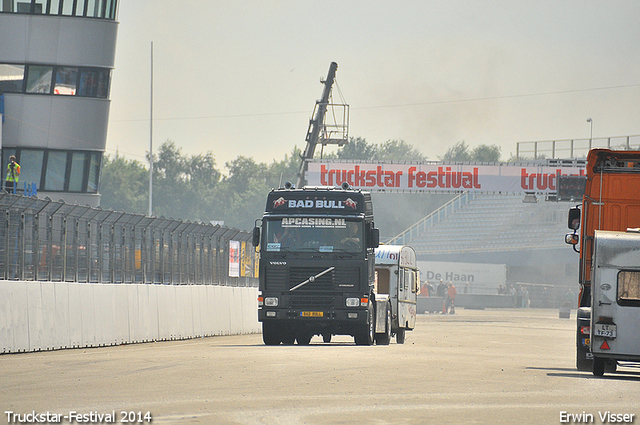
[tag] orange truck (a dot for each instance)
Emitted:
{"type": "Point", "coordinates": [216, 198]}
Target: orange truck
{"type": "Point", "coordinates": [610, 212]}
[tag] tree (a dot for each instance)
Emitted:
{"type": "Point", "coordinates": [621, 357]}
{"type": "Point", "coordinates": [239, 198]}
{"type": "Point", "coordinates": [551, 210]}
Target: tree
{"type": "Point", "coordinates": [460, 152]}
{"type": "Point", "coordinates": [357, 148]}
{"type": "Point", "coordinates": [242, 192]}
{"type": "Point", "coordinates": [392, 150]}
{"type": "Point", "coordinates": [398, 150]}
{"type": "Point", "coordinates": [486, 153]}
{"type": "Point", "coordinates": [285, 170]}
{"type": "Point", "coordinates": [123, 185]}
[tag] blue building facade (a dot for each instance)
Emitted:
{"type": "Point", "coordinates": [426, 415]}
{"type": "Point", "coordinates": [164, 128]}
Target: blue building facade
{"type": "Point", "coordinates": [56, 61]}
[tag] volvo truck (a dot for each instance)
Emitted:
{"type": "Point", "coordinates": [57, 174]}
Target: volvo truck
{"type": "Point", "coordinates": [317, 267]}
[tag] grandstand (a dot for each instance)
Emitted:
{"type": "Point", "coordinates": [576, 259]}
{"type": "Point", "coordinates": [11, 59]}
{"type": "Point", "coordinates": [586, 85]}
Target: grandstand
{"type": "Point", "coordinates": [499, 229]}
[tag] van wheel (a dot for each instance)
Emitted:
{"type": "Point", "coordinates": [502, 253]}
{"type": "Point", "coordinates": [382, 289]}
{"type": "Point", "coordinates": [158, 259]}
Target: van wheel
{"type": "Point", "coordinates": [400, 336]}
{"type": "Point", "coordinates": [598, 366]}
{"type": "Point", "coordinates": [385, 338]}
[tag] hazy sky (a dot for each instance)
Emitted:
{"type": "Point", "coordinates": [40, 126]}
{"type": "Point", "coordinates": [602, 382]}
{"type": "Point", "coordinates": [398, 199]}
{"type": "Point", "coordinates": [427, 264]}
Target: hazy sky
{"type": "Point", "coordinates": [242, 77]}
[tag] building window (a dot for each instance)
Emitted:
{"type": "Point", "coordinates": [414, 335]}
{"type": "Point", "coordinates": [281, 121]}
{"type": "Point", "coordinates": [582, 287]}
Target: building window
{"type": "Point", "coordinates": [30, 161]}
{"type": "Point", "coordinates": [94, 82]}
{"type": "Point", "coordinates": [76, 174]}
{"type": "Point", "coordinates": [11, 78]}
{"type": "Point", "coordinates": [66, 80]}
{"type": "Point", "coordinates": [102, 9]}
{"type": "Point", "coordinates": [67, 7]}
{"type": "Point", "coordinates": [39, 7]}
{"type": "Point", "coordinates": [94, 172]}
{"type": "Point", "coordinates": [39, 79]}
{"type": "Point", "coordinates": [56, 167]}
{"type": "Point", "coordinates": [53, 7]}
{"type": "Point", "coordinates": [56, 170]}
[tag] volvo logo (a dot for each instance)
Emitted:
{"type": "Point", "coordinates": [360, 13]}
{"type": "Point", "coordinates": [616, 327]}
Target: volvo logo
{"type": "Point", "coordinates": [278, 263]}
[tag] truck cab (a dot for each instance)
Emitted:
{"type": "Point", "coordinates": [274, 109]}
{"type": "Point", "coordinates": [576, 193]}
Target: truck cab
{"type": "Point", "coordinates": [611, 202]}
{"type": "Point", "coordinates": [316, 268]}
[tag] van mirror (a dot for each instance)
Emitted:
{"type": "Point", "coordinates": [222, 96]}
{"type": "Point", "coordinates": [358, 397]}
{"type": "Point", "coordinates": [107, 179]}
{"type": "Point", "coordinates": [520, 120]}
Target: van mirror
{"type": "Point", "coordinates": [574, 218]}
{"type": "Point", "coordinates": [256, 236]}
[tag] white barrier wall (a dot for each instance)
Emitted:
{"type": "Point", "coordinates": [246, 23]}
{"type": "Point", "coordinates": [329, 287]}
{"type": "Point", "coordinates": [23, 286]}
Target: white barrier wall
{"type": "Point", "coordinates": [52, 315]}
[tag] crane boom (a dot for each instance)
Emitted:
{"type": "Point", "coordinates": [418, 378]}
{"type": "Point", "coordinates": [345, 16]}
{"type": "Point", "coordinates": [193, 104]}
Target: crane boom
{"type": "Point", "coordinates": [316, 123]}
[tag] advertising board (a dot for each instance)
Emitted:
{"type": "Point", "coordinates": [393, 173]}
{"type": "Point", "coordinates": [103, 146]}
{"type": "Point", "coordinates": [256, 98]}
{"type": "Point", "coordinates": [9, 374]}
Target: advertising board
{"type": "Point", "coordinates": [439, 177]}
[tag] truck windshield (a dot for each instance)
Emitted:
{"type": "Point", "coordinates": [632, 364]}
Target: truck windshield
{"type": "Point", "coordinates": [313, 234]}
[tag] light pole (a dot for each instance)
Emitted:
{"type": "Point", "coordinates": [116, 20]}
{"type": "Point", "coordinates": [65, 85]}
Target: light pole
{"type": "Point", "coordinates": [151, 139]}
{"type": "Point", "coordinates": [590, 121]}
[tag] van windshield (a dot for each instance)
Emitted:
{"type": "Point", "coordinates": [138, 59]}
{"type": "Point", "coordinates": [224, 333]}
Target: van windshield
{"type": "Point", "coordinates": [313, 234]}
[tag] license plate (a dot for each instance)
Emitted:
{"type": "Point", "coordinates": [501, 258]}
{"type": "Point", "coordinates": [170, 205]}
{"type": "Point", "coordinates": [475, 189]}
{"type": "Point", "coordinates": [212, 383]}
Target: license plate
{"type": "Point", "coordinates": [607, 331]}
{"type": "Point", "coordinates": [312, 313]}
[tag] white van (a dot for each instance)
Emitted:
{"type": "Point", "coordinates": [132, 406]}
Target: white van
{"type": "Point", "coordinates": [615, 292]}
{"type": "Point", "coordinates": [397, 274]}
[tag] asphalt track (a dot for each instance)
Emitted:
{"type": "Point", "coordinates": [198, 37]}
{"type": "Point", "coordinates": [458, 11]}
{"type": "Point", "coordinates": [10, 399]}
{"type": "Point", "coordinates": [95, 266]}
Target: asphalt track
{"type": "Point", "coordinates": [476, 367]}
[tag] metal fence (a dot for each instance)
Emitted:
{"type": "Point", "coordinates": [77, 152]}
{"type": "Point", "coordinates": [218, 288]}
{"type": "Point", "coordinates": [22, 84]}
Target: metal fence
{"type": "Point", "coordinates": [47, 240]}
{"type": "Point", "coordinates": [574, 148]}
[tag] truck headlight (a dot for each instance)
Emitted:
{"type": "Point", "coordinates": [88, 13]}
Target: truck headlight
{"type": "Point", "coordinates": [271, 301]}
{"type": "Point", "coordinates": [353, 302]}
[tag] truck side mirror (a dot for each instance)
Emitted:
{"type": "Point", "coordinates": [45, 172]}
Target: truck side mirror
{"type": "Point", "coordinates": [572, 238]}
{"type": "Point", "coordinates": [375, 238]}
{"type": "Point", "coordinates": [574, 218]}
{"type": "Point", "coordinates": [256, 236]}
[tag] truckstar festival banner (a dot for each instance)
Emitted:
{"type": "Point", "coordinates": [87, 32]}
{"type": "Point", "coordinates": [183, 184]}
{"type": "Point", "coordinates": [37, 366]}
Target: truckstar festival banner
{"type": "Point", "coordinates": [439, 177]}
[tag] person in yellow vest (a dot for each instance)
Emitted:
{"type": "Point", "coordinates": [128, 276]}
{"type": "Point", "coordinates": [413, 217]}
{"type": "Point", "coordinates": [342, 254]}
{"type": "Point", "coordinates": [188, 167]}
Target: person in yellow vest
{"type": "Point", "coordinates": [13, 174]}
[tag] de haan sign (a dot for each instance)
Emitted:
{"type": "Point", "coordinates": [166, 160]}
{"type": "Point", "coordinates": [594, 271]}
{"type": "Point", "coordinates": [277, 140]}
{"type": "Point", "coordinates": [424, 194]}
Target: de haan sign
{"type": "Point", "coordinates": [416, 177]}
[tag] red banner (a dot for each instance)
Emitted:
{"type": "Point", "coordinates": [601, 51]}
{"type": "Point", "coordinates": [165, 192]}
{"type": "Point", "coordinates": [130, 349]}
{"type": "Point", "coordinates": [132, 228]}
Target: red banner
{"type": "Point", "coordinates": [439, 177]}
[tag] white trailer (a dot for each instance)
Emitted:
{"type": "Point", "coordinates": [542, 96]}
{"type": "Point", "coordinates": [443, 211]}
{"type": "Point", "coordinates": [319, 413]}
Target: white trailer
{"type": "Point", "coordinates": [397, 276]}
{"type": "Point", "coordinates": [615, 292]}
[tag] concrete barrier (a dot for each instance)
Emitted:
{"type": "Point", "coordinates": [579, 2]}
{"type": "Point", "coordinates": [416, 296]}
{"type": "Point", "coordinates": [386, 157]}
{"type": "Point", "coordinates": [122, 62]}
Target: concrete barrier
{"type": "Point", "coordinates": [38, 316]}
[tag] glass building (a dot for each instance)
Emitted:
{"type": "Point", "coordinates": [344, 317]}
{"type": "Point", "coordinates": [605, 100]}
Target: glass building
{"type": "Point", "coordinates": [56, 58]}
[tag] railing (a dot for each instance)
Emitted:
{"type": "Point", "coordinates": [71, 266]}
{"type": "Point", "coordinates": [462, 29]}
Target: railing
{"type": "Point", "coordinates": [45, 240]}
{"type": "Point", "coordinates": [429, 221]}
{"type": "Point", "coordinates": [574, 148]}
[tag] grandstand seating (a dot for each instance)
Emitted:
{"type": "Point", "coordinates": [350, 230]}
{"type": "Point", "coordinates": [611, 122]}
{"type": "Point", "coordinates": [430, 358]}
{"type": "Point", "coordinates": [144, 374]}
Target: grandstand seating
{"type": "Point", "coordinates": [490, 223]}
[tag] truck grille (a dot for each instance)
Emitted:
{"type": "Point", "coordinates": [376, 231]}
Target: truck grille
{"type": "Point", "coordinates": [311, 302]}
{"type": "Point", "coordinates": [285, 278]}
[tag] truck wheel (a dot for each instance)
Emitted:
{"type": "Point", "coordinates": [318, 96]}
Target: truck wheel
{"type": "Point", "coordinates": [304, 338]}
{"type": "Point", "coordinates": [385, 338]}
{"type": "Point", "coordinates": [582, 362]}
{"type": "Point", "coordinates": [270, 334]}
{"type": "Point", "coordinates": [288, 338]}
{"type": "Point", "coordinates": [400, 336]}
{"type": "Point", "coordinates": [598, 366]}
{"type": "Point", "coordinates": [365, 335]}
